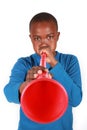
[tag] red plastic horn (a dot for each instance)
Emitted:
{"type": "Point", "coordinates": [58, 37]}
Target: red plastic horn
{"type": "Point", "coordinates": [44, 100]}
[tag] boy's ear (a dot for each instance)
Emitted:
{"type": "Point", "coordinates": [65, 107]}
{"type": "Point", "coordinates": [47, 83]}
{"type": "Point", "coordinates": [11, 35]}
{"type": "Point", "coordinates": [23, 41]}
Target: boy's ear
{"type": "Point", "coordinates": [58, 34]}
{"type": "Point", "coordinates": [29, 35]}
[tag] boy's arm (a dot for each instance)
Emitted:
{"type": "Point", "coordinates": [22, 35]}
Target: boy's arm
{"type": "Point", "coordinates": [18, 73]}
{"type": "Point", "coordinates": [71, 80]}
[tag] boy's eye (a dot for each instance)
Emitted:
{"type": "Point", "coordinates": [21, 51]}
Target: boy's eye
{"type": "Point", "coordinates": [37, 38]}
{"type": "Point", "coordinates": [50, 37]}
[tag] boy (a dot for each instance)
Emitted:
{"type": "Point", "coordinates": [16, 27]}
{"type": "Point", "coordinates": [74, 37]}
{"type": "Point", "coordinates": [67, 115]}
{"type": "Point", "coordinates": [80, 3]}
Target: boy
{"type": "Point", "coordinates": [65, 69]}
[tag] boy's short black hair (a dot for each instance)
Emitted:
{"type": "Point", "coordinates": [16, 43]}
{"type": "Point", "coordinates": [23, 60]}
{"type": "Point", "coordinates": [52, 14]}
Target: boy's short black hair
{"type": "Point", "coordinates": [43, 16]}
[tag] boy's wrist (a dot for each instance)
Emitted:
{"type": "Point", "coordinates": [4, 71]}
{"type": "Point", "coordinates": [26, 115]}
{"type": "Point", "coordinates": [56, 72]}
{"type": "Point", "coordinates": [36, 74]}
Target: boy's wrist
{"type": "Point", "coordinates": [23, 85]}
{"type": "Point", "coordinates": [53, 63]}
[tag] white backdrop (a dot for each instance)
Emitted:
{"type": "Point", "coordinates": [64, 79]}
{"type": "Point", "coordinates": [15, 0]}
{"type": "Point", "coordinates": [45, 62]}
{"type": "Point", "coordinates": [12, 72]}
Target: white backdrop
{"type": "Point", "coordinates": [14, 43]}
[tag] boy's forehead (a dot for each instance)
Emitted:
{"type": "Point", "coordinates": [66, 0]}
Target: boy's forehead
{"type": "Point", "coordinates": [43, 29]}
{"type": "Point", "coordinates": [43, 25]}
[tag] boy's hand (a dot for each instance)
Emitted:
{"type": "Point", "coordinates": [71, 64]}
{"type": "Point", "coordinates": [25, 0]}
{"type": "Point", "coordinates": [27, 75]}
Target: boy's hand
{"type": "Point", "coordinates": [32, 74]}
{"type": "Point", "coordinates": [50, 55]}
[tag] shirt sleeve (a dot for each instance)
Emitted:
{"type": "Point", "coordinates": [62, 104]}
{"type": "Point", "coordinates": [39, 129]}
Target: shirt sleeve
{"type": "Point", "coordinates": [18, 73]}
{"type": "Point", "coordinates": [70, 79]}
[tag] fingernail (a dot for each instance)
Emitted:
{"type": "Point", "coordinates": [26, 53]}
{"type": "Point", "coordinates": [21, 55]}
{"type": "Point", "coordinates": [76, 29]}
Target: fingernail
{"type": "Point", "coordinates": [35, 75]}
{"type": "Point", "coordinates": [46, 70]}
{"type": "Point", "coordinates": [39, 71]}
{"type": "Point", "coordinates": [50, 76]}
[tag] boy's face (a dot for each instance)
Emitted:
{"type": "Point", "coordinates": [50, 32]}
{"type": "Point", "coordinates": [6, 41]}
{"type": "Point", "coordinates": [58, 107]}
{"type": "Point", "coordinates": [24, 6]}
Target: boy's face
{"type": "Point", "coordinates": [44, 35]}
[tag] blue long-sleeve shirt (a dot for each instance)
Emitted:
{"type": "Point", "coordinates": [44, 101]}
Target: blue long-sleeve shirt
{"type": "Point", "coordinates": [66, 71]}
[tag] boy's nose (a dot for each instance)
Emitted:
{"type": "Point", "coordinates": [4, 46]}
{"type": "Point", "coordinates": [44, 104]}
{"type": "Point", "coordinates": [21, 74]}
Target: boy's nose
{"type": "Point", "coordinates": [43, 42]}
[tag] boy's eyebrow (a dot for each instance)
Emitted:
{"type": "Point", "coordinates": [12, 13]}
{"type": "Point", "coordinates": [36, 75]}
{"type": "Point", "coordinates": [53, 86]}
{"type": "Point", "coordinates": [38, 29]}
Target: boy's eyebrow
{"type": "Point", "coordinates": [51, 34]}
{"type": "Point", "coordinates": [36, 35]}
